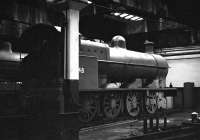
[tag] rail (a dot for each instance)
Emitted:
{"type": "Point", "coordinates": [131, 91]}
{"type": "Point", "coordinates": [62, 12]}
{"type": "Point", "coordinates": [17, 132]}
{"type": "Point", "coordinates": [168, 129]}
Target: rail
{"type": "Point", "coordinates": [183, 132]}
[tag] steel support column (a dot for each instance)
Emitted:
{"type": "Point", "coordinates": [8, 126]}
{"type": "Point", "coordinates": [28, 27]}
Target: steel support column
{"type": "Point", "coordinates": [69, 124]}
{"type": "Point", "coordinates": [71, 59]}
{"type": "Point", "coordinates": [71, 55]}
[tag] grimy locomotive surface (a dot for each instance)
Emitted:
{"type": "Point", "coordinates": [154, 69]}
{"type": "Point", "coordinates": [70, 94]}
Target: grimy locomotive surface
{"type": "Point", "coordinates": [111, 76]}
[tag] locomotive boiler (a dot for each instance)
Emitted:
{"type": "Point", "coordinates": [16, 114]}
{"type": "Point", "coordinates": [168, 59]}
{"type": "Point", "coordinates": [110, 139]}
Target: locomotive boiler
{"type": "Point", "coordinates": [111, 77]}
{"type": "Point", "coordinates": [118, 64]}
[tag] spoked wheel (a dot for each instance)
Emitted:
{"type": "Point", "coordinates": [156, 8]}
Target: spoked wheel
{"type": "Point", "coordinates": [112, 105]}
{"type": "Point", "coordinates": [161, 101]}
{"type": "Point", "coordinates": [151, 103]}
{"type": "Point", "coordinates": [132, 104]}
{"type": "Point", "coordinates": [89, 108]}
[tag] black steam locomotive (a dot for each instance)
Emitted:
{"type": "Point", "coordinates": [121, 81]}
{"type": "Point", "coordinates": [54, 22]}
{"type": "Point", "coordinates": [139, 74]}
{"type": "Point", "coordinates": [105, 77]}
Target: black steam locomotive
{"type": "Point", "coordinates": [104, 66]}
{"type": "Point", "coordinates": [112, 78]}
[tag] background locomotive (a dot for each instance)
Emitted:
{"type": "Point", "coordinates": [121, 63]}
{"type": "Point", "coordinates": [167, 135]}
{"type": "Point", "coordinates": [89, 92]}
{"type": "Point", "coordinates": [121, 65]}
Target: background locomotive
{"type": "Point", "coordinates": [102, 66]}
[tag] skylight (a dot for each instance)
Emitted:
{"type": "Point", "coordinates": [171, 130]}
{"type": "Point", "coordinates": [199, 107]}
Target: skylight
{"type": "Point", "coordinates": [58, 28]}
{"type": "Point", "coordinates": [123, 15]}
{"type": "Point", "coordinates": [116, 14]}
{"type": "Point", "coordinates": [89, 2]}
{"type": "Point", "coordinates": [135, 18]}
{"type": "Point", "coordinates": [127, 16]}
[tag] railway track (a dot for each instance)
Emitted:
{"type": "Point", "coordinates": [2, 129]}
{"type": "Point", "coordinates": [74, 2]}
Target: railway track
{"type": "Point", "coordinates": [171, 132]}
{"type": "Point", "coordinates": [176, 133]}
{"type": "Point", "coordinates": [134, 130]}
{"type": "Point", "coordinates": [108, 125]}
{"type": "Point", "coordinates": [123, 118]}
{"type": "Point", "coordinates": [103, 122]}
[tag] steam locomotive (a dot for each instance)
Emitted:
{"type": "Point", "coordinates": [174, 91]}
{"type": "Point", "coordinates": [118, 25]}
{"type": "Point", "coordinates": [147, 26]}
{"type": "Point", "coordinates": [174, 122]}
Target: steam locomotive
{"type": "Point", "coordinates": [112, 78]}
{"type": "Point", "coordinates": [115, 67]}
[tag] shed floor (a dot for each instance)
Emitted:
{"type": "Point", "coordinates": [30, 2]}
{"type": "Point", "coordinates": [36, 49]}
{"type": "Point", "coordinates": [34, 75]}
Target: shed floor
{"type": "Point", "coordinates": [127, 128]}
